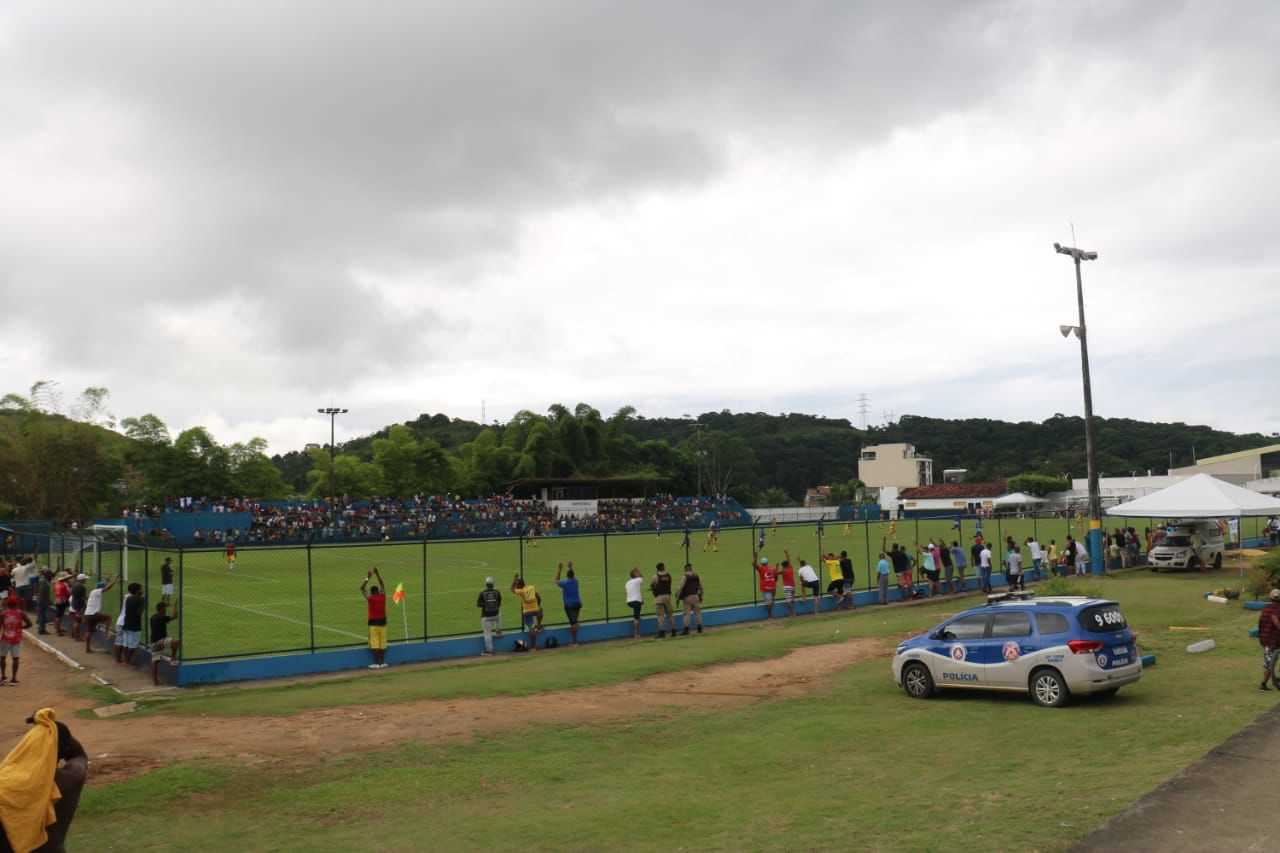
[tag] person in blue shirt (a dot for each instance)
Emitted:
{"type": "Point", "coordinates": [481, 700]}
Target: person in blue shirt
{"type": "Point", "coordinates": [572, 598]}
{"type": "Point", "coordinates": [882, 577]}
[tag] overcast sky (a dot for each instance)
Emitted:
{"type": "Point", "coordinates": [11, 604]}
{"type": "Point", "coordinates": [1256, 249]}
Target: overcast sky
{"type": "Point", "coordinates": [230, 214]}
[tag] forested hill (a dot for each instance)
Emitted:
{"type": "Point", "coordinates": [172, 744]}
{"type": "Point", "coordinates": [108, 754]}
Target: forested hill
{"type": "Point", "coordinates": [991, 448]}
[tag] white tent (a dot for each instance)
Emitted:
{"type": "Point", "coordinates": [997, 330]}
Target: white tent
{"type": "Point", "coordinates": [1017, 499]}
{"type": "Point", "coordinates": [1201, 496]}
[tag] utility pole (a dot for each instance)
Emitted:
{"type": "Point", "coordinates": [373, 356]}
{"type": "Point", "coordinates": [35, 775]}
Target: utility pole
{"type": "Point", "coordinates": [333, 413]}
{"type": "Point", "coordinates": [1090, 449]}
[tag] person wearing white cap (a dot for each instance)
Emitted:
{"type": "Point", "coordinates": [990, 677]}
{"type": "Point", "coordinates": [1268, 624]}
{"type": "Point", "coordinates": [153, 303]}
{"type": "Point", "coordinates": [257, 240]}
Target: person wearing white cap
{"type": "Point", "coordinates": [490, 603]}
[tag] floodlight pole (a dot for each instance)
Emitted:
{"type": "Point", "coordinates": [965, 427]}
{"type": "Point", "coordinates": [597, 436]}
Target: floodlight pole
{"type": "Point", "coordinates": [1096, 556]}
{"type": "Point", "coordinates": [333, 413]}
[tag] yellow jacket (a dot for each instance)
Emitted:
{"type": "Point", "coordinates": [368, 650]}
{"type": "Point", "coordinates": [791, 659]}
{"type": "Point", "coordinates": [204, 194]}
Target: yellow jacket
{"type": "Point", "coordinates": [27, 790]}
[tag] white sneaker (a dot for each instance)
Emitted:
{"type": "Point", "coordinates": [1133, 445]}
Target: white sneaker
{"type": "Point", "coordinates": [382, 666]}
{"type": "Point", "coordinates": [373, 666]}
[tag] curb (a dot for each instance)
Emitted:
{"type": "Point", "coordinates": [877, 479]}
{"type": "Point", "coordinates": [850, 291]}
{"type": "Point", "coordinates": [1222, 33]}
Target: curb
{"type": "Point", "coordinates": [62, 656]}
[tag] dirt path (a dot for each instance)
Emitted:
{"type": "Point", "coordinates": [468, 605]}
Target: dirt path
{"type": "Point", "coordinates": [125, 747]}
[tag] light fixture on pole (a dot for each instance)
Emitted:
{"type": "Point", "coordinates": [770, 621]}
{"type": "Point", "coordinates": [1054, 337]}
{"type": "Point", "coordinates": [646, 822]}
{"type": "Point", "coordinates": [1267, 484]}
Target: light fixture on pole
{"type": "Point", "coordinates": [1090, 448]}
{"type": "Point", "coordinates": [333, 413]}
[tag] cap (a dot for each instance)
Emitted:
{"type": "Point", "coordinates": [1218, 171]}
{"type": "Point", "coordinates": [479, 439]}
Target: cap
{"type": "Point", "coordinates": [764, 561]}
{"type": "Point", "coordinates": [488, 581]}
{"type": "Point", "coordinates": [82, 577]}
{"type": "Point", "coordinates": [1275, 595]}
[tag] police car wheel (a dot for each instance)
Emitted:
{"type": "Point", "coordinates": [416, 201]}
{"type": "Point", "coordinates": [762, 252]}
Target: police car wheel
{"type": "Point", "coordinates": [1048, 690]}
{"type": "Point", "coordinates": [917, 681]}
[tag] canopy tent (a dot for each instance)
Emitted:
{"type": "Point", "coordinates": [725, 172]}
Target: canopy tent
{"type": "Point", "coordinates": [1201, 496]}
{"type": "Point", "coordinates": [1017, 499]}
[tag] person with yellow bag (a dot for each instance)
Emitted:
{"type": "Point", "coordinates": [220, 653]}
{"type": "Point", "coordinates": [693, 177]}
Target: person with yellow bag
{"type": "Point", "coordinates": [40, 783]}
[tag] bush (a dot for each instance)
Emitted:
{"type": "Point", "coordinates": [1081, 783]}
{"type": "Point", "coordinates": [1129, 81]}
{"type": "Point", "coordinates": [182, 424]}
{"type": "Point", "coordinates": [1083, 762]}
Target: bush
{"type": "Point", "coordinates": [1038, 484]}
{"type": "Point", "coordinates": [1263, 575]}
{"type": "Point", "coordinates": [1069, 586]}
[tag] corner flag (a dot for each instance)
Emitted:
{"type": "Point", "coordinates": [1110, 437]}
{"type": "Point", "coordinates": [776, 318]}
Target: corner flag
{"type": "Point", "coordinates": [398, 595]}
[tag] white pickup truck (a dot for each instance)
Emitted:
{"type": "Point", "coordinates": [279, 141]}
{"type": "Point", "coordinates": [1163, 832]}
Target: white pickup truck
{"type": "Point", "coordinates": [1189, 545]}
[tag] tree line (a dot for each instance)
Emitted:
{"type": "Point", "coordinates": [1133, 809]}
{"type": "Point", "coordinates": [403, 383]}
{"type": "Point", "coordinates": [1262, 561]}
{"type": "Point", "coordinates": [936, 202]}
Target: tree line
{"type": "Point", "coordinates": [75, 460]}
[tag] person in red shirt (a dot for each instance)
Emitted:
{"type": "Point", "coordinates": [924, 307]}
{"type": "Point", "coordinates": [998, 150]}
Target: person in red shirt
{"type": "Point", "coordinates": [1268, 637]}
{"type": "Point", "coordinates": [768, 580]}
{"type": "Point", "coordinates": [231, 556]}
{"type": "Point", "coordinates": [788, 584]}
{"type": "Point", "coordinates": [376, 599]}
{"type": "Point", "coordinates": [12, 622]}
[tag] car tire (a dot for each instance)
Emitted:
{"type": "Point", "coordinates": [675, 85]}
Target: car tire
{"type": "Point", "coordinates": [917, 681]}
{"type": "Point", "coordinates": [1048, 689]}
{"type": "Point", "coordinates": [1217, 561]}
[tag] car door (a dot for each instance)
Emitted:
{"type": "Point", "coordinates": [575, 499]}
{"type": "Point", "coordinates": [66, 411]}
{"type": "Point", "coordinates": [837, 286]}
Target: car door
{"type": "Point", "coordinates": [961, 654]}
{"type": "Point", "coordinates": [1012, 636]}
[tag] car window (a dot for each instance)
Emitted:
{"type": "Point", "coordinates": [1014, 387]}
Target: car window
{"type": "Point", "coordinates": [1102, 619]}
{"type": "Point", "coordinates": [966, 628]}
{"type": "Point", "coordinates": [1052, 623]}
{"type": "Point", "coordinates": [1011, 625]}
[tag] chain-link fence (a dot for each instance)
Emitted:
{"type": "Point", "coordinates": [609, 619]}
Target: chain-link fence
{"type": "Point", "coordinates": [307, 598]}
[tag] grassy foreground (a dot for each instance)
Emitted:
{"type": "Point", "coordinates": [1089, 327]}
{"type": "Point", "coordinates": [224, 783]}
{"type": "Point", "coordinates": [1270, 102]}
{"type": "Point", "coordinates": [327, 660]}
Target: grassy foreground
{"type": "Point", "coordinates": [856, 764]}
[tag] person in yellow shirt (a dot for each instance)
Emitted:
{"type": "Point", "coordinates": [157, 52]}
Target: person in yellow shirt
{"type": "Point", "coordinates": [530, 609]}
{"type": "Point", "coordinates": [1051, 556]}
{"type": "Point", "coordinates": [835, 578]}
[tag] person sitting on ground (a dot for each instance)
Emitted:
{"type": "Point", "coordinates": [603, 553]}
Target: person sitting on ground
{"type": "Point", "coordinates": [163, 647]}
{"type": "Point", "coordinates": [376, 601]}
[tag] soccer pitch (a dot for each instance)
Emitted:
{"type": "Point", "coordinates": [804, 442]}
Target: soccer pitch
{"type": "Point", "coordinates": [269, 604]}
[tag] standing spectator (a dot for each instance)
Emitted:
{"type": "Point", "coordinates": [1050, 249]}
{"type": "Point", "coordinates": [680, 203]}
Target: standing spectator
{"type": "Point", "coordinates": [984, 566]}
{"type": "Point", "coordinates": [812, 583]}
{"type": "Point", "coordinates": [835, 579]}
{"type": "Point", "coordinates": [61, 598]}
{"type": "Point", "coordinates": [376, 604]}
{"type": "Point", "coordinates": [1013, 561]}
{"type": "Point", "coordinates": [130, 633]}
{"type": "Point", "coordinates": [163, 647]}
{"type": "Point", "coordinates": [12, 621]}
{"type": "Point", "coordinates": [6, 580]}
{"type": "Point", "coordinates": [768, 581]}
{"type": "Point", "coordinates": [22, 581]}
{"type": "Point", "coordinates": [660, 586]}
{"type": "Point", "coordinates": [948, 567]}
{"type": "Point", "coordinates": [901, 568]}
{"type": "Point", "coordinates": [44, 599]}
{"type": "Point", "coordinates": [882, 578]}
{"type": "Point", "coordinates": [635, 599]}
{"type": "Point", "coordinates": [958, 560]}
{"type": "Point", "coordinates": [975, 552]}
{"type": "Point", "coordinates": [572, 599]}
{"type": "Point", "coordinates": [490, 603]}
{"type": "Point", "coordinates": [929, 567]}
{"type": "Point", "coordinates": [691, 597]}
{"type": "Point", "coordinates": [166, 579]}
{"type": "Point", "coordinates": [1051, 556]}
{"type": "Point", "coordinates": [788, 575]}
{"type": "Point", "coordinates": [79, 600]}
{"type": "Point", "coordinates": [93, 613]}
{"type": "Point", "coordinates": [1037, 556]}
{"type": "Point", "coordinates": [846, 577]}
{"type": "Point", "coordinates": [1268, 637]}
{"type": "Point", "coordinates": [530, 610]}
{"type": "Point", "coordinates": [1082, 560]}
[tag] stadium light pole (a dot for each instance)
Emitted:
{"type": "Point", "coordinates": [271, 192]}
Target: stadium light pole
{"type": "Point", "coordinates": [333, 413]}
{"type": "Point", "coordinates": [1090, 448]}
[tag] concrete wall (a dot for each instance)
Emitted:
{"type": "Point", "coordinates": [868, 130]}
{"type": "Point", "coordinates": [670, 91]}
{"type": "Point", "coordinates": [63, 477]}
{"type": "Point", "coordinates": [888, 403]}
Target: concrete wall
{"type": "Point", "coordinates": [894, 465]}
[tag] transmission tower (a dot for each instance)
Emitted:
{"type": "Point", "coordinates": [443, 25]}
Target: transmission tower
{"type": "Point", "coordinates": [864, 407]}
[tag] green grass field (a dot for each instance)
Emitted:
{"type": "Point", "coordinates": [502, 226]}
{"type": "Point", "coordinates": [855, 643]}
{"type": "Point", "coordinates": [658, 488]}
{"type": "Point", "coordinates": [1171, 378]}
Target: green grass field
{"type": "Point", "coordinates": [269, 604]}
{"type": "Point", "coordinates": [855, 764]}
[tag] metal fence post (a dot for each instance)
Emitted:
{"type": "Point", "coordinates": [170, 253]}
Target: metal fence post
{"type": "Point", "coordinates": [311, 602]}
{"type": "Point", "coordinates": [425, 632]}
{"type": "Point", "coordinates": [146, 592]}
{"type": "Point", "coordinates": [866, 538]}
{"type": "Point", "coordinates": [606, 572]}
{"type": "Point", "coordinates": [182, 605]}
{"type": "Point", "coordinates": [522, 556]}
{"type": "Point", "coordinates": [755, 599]}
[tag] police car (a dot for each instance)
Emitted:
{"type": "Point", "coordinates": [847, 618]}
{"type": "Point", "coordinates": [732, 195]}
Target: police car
{"type": "Point", "coordinates": [1050, 648]}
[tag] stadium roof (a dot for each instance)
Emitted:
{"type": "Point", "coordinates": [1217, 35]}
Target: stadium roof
{"type": "Point", "coordinates": [1240, 454]}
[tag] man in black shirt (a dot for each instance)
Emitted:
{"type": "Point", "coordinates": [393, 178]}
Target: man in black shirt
{"type": "Point", "coordinates": [490, 603]}
{"type": "Point", "coordinates": [846, 576]}
{"type": "Point", "coordinates": [131, 630]}
{"type": "Point", "coordinates": [166, 579]}
{"type": "Point", "coordinates": [691, 596]}
{"type": "Point", "coordinates": [163, 647]}
{"type": "Point", "coordinates": [79, 599]}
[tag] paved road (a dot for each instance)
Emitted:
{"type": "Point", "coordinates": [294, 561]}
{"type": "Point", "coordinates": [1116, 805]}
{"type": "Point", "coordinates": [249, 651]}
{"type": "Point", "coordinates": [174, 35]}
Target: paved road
{"type": "Point", "coordinates": [1225, 801]}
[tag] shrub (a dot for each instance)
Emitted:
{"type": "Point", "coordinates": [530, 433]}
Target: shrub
{"type": "Point", "coordinates": [1069, 586]}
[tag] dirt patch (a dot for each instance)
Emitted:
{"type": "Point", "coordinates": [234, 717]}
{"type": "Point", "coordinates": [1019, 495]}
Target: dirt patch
{"type": "Point", "coordinates": [122, 748]}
